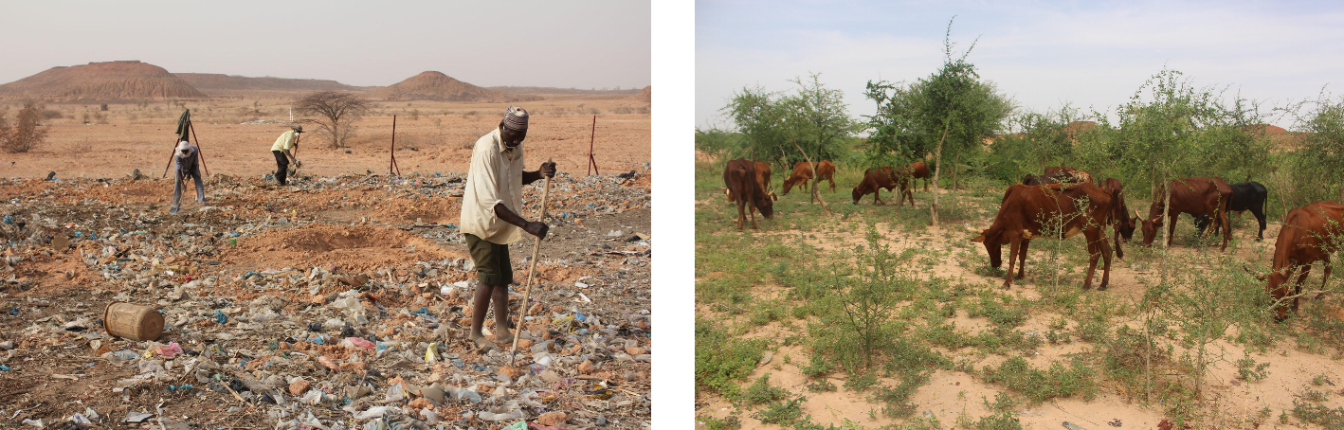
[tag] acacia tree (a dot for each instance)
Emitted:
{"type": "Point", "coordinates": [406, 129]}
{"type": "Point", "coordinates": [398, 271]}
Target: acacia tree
{"type": "Point", "coordinates": [951, 106]}
{"type": "Point", "coordinates": [815, 118]}
{"type": "Point", "coordinates": [1322, 144]}
{"type": "Point", "coordinates": [760, 120]}
{"type": "Point", "coordinates": [334, 110]}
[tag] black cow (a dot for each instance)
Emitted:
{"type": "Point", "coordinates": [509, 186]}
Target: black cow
{"type": "Point", "coordinates": [1246, 196]}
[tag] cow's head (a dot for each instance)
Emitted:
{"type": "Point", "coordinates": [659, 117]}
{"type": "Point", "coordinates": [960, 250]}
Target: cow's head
{"type": "Point", "coordinates": [857, 194]}
{"type": "Point", "coordinates": [993, 246]}
{"type": "Point", "coordinates": [1273, 281]}
{"type": "Point", "coordinates": [788, 185]}
{"type": "Point", "coordinates": [1149, 227]}
{"type": "Point", "coordinates": [766, 204]}
{"type": "Point", "coordinates": [729, 192]}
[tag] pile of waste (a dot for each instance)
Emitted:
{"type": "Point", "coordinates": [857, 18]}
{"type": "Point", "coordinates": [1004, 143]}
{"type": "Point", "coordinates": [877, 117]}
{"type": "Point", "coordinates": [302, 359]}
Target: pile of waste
{"type": "Point", "coordinates": [333, 303]}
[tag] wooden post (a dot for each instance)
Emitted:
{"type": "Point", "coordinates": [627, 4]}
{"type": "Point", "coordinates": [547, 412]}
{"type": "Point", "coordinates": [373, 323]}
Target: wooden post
{"type": "Point", "coordinates": [199, 152]}
{"type": "Point", "coordinates": [815, 193]}
{"type": "Point", "coordinates": [392, 165]}
{"type": "Point", "coordinates": [592, 162]}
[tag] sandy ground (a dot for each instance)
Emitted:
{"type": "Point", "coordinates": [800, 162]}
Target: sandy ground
{"type": "Point", "coordinates": [431, 137]}
{"type": "Point", "coordinates": [949, 395]}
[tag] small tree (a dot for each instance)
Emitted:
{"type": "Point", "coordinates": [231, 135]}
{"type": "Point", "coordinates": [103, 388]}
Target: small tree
{"type": "Point", "coordinates": [25, 134]}
{"type": "Point", "coordinates": [334, 111]}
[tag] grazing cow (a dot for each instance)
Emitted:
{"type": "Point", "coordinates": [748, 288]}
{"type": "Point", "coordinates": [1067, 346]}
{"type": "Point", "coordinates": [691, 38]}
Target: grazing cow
{"type": "Point", "coordinates": [1246, 196]}
{"type": "Point", "coordinates": [740, 177]}
{"type": "Point", "coordinates": [802, 172]}
{"type": "Point", "coordinates": [763, 177]}
{"type": "Point", "coordinates": [1059, 175]}
{"type": "Point", "coordinates": [1309, 234]}
{"type": "Point", "coordinates": [916, 170]}
{"type": "Point", "coordinates": [873, 181]}
{"type": "Point", "coordinates": [1025, 210]}
{"type": "Point", "coordinates": [1194, 196]}
{"type": "Point", "coordinates": [1124, 225]}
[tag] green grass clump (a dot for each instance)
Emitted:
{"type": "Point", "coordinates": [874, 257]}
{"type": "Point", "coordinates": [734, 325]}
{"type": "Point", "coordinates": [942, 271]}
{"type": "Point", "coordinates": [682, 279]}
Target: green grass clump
{"type": "Point", "coordinates": [1041, 385]}
{"type": "Point", "coordinates": [721, 360]}
{"type": "Point", "coordinates": [761, 392]}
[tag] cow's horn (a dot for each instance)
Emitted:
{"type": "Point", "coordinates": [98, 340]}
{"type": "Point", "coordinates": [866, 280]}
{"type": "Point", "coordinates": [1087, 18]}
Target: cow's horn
{"type": "Point", "coordinates": [1136, 214]}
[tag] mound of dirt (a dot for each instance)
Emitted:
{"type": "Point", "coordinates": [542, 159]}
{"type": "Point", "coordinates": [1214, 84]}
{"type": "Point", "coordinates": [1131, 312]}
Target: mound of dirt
{"type": "Point", "coordinates": [109, 81]}
{"type": "Point", "coordinates": [646, 94]}
{"type": "Point", "coordinates": [1267, 129]}
{"type": "Point", "coordinates": [348, 247]}
{"type": "Point", "coordinates": [215, 81]}
{"type": "Point", "coordinates": [437, 86]}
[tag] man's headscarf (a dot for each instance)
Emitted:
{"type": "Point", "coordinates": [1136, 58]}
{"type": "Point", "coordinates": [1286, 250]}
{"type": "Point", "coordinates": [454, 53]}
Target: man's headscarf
{"type": "Point", "coordinates": [515, 118]}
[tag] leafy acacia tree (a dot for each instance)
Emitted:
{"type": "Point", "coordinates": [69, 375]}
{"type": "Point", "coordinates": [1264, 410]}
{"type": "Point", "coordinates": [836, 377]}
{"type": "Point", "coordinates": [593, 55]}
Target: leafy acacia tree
{"type": "Point", "coordinates": [1322, 145]}
{"type": "Point", "coordinates": [948, 113]}
{"type": "Point", "coordinates": [815, 118]}
{"type": "Point", "coordinates": [334, 111]}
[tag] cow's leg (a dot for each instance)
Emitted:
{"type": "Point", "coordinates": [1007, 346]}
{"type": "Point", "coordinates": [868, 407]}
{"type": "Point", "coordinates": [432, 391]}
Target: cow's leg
{"type": "Point", "coordinates": [1171, 227]}
{"type": "Point", "coordinates": [1118, 252]}
{"type": "Point", "coordinates": [1022, 259]}
{"type": "Point", "coordinates": [1297, 286]}
{"type": "Point", "coordinates": [877, 196]}
{"type": "Point", "coordinates": [1259, 216]}
{"type": "Point", "coordinates": [741, 215]}
{"type": "Point", "coordinates": [1014, 246]}
{"type": "Point", "coordinates": [1227, 229]}
{"type": "Point", "coordinates": [1105, 260]}
{"type": "Point", "coordinates": [832, 179]}
{"type": "Point", "coordinates": [751, 209]}
{"type": "Point", "coordinates": [1092, 253]}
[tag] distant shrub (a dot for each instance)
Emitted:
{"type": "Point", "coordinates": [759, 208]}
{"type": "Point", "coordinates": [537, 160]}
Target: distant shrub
{"type": "Point", "coordinates": [24, 134]}
{"type": "Point", "coordinates": [51, 114]}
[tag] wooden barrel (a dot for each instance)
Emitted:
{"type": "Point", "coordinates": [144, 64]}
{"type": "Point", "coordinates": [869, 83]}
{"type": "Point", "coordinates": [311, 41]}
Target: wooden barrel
{"type": "Point", "coordinates": [132, 321]}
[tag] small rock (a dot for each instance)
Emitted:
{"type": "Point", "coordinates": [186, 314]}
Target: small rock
{"type": "Point", "coordinates": [587, 367]}
{"type": "Point", "coordinates": [510, 371]}
{"type": "Point", "coordinates": [419, 403]}
{"type": "Point", "coordinates": [765, 358]}
{"type": "Point", "coordinates": [552, 418]}
{"type": "Point", "coordinates": [635, 350]}
{"type": "Point", "coordinates": [299, 387]}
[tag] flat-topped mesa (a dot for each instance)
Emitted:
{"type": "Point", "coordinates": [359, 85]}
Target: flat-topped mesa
{"type": "Point", "coordinates": [105, 81]}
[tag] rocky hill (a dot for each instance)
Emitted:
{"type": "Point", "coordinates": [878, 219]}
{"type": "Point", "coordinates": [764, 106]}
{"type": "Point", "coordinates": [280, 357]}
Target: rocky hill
{"type": "Point", "coordinates": [108, 81]}
{"type": "Point", "coordinates": [433, 85]}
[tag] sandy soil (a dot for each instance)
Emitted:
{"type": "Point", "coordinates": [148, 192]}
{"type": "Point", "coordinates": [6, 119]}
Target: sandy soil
{"type": "Point", "coordinates": [952, 394]}
{"type": "Point", "coordinates": [432, 137]}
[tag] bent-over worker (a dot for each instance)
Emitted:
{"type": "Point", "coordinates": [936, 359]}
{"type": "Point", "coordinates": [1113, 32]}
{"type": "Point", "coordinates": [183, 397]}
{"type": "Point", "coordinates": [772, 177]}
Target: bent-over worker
{"type": "Point", "coordinates": [187, 165]}
{"type": "Point", "coordinates": [284, 152]}
{"type": "Point", "coordinates": [490, 216]}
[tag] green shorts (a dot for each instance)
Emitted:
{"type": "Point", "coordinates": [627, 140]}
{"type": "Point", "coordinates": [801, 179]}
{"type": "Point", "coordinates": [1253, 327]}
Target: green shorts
{"type": "Point", "coordinates": [492, 261]}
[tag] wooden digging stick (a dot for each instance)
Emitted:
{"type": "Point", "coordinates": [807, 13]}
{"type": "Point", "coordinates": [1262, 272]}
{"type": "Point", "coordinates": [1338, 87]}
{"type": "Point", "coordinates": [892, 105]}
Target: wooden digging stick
{"type": "Point", "coordinates": [199, 153]}
{"type": "Point", "coordinates": [527, 293]}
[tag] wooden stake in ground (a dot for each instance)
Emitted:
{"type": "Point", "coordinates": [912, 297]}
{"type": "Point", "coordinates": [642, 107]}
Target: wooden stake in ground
{"type": "Point", "coordinates": [392, 165]}
{"type": "Point", "coordinates": [199, 153]}
{"type": "Point", "coordinates": [592, 162]}
{"type": "Point", "coordinates": [527, 293]}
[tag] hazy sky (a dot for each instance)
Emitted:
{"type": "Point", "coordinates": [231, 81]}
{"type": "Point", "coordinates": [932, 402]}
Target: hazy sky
{"type": "Point", "coordinates": [580, 44]}
{"type": "Point", "coordinates": [1040, 53]}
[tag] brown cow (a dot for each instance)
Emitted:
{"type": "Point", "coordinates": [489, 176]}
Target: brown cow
{"type": "Point", "coordinates": [1309, 234]}
{"type": "Point", "coordinates": [802, 172]}
{"type": "Point", "coordinates": [873, 181]}
{"type": "Point", "coordinates": [763, 177]}
{"type": "Point", "coordinates": [740, 177]}
{"type": "Point", "coordinates": [1194, 196]}
{"type": "Point", "coordinates": [1026, 208]}
{"type": "Point", "coordinates": [1059, 175]}
{"type": "Point", "coordinates": [916, 170]}
{"type": "Point", "coordinates": [1124, 225]}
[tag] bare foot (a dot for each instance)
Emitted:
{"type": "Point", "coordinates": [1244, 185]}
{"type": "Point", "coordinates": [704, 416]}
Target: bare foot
{"type": "Point", "coordinates": [504, 337]}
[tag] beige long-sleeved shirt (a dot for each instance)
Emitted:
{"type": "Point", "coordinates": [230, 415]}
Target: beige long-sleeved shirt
{"type": "Point", "coordinates": [495, 176]}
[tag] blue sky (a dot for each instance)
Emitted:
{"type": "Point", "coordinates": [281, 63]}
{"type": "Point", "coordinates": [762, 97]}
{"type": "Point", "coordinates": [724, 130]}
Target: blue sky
{"type": "Point", "coordinates": [1040, 53]}
{"type": "Point", "coordinates": [583, 44]}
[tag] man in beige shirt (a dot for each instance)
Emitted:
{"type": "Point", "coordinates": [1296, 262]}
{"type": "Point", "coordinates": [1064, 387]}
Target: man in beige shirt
{"type": "Point", "coordinates": [490, 220]}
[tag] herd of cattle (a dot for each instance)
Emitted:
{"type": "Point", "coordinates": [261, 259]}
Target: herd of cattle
{"type": "Point", "coordinates": [1065, 201]}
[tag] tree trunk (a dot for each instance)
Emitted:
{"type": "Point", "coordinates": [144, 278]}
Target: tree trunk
{"type": "Point", "coordinates": [1341, 193]}
{"type": "Point", "coordinates": [956, 167]}
{"type": "Point", "coordinates": [937, 163]}
{"type": "Point", "coordinates": [815, 194]}
{"type": "Point", "coordinates": [1167, 221]}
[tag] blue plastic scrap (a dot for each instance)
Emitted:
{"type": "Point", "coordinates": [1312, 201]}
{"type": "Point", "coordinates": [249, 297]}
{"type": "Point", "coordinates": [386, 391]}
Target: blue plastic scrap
{"type": "Point", "coordinates": [221, 318]}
